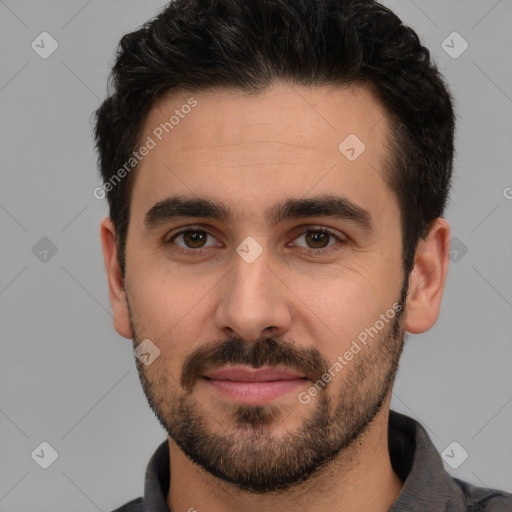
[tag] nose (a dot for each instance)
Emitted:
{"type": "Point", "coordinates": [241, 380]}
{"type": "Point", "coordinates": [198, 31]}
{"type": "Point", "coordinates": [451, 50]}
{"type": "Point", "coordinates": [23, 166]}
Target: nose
{"type": "Point", "coordinates": [254, 302]}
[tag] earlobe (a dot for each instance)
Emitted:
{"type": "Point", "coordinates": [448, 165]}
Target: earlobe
{"type": "Point", "coordinates": [428, 278]}
{"type": "Point", "coordinates": [116, 288]}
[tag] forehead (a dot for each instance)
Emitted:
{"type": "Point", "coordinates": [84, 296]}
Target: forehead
{"type": "Point", "coordinates": [286, 141]}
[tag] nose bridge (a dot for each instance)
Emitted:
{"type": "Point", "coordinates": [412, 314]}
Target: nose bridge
{"type": "Point", "coordinates": [252, 298]}
{"type": "Point", "coordinates": [250, 277]}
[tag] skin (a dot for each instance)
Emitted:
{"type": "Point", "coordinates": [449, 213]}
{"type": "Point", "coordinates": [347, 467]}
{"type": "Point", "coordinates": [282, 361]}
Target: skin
{"type": "Point", "coordinates": [251, 152]}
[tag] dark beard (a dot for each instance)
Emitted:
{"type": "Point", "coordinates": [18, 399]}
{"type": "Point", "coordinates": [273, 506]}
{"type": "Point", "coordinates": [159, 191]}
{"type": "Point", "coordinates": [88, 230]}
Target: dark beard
{"type": "Point", "coordinates": [246, 453]}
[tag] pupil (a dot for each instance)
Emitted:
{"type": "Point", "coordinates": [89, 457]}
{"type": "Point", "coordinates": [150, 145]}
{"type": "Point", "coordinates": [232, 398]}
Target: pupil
{"type": "Point", "coordinates": [316, 237]}
{"type": "Point", "coordinates": [194, 239]}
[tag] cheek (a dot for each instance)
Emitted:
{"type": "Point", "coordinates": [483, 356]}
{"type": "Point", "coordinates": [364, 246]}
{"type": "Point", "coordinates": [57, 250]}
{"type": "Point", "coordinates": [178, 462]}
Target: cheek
{"type": "Point", "coordinates": [172, 312]}
{"type": "Point", "coordinates": [345, 309]}
{"type": "Point", "coordinates": [347, 304]}
{"type": "Point", "coordinates": [164, 296]}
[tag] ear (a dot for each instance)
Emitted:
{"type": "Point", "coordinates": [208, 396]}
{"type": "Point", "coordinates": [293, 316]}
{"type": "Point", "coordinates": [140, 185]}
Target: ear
{"type": "Point", "coordinates": [115, 281]}
{"type": "Point", "coordinates": [427, 279]}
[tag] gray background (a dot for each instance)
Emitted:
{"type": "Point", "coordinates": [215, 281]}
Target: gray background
{"type": "Point", "coordinates": [66, 377]}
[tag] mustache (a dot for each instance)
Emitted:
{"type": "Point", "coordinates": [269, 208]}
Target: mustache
{"type": "Point", "coordinates": [263, 352]}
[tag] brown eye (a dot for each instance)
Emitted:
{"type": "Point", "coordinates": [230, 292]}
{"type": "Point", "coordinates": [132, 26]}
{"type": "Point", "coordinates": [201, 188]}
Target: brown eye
{"type": "Point", "coordinates": [317, 238]}
{"type": "Point", "coordinates": [192, 239]}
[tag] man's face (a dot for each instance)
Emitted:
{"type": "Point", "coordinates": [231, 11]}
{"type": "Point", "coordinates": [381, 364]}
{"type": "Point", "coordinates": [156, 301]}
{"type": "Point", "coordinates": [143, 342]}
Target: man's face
{"type": "Point", "coordinates": [259, 289]}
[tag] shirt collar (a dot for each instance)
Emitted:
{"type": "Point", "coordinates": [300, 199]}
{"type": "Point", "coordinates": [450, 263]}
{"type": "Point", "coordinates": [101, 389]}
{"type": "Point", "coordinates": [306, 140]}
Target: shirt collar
{"type": "Point", "coordinates": [426, 484]}
{"type": "Point", "coordinates": [157, 480]}
{"type": "Point", "coordinates": [413, 456]}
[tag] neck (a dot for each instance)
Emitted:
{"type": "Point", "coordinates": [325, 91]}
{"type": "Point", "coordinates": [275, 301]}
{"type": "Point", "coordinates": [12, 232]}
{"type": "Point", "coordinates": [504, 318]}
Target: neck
{"type": "Point", "coordinates": [360, 478]}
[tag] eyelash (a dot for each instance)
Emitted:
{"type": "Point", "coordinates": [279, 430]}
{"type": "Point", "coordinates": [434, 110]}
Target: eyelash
{"type": "Point", "coordinates": [308, 229]}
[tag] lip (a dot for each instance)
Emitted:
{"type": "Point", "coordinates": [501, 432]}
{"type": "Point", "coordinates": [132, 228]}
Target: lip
{"type": "Point", "coordinates": [247, 374]}
{"type": "Point", "coordinates": [256, 392]}
{"type": "Point", "coordinates": [253, 386]}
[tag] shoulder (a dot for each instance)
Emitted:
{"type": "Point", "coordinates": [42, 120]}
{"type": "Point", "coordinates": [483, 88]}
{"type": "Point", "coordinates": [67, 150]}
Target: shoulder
{"type": "Point", "coordinates": [135, 505]}
{"type": "Point", "coordinates": [485, 499]}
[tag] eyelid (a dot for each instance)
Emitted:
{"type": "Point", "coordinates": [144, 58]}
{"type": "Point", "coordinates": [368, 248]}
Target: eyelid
{"type": "Point", "coordinates": [183, 230]}
{"type": "Point", "coordinates": [187, 227]}
{"type": "Point", "coordinates": [340, 238]}
{"type": "Point", "coordinates": [320, 227]}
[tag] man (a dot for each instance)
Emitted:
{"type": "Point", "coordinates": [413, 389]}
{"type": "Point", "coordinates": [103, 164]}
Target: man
{"type": "Point", "coordinates": [276, 173]}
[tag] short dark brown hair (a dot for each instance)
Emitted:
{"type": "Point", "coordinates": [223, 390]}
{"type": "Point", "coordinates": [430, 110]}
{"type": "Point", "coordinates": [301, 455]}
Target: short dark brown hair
{"type": "Point", "coordinates": [248, 45]}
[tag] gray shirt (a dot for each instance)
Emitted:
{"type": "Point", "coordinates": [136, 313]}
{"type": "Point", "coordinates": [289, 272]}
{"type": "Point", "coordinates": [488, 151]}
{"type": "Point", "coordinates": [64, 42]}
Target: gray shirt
{"type": "Point", "coordinates": [427, 486]}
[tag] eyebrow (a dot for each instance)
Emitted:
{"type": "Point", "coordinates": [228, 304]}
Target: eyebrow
{"type": "Point", "coordinates": [320, 206]}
